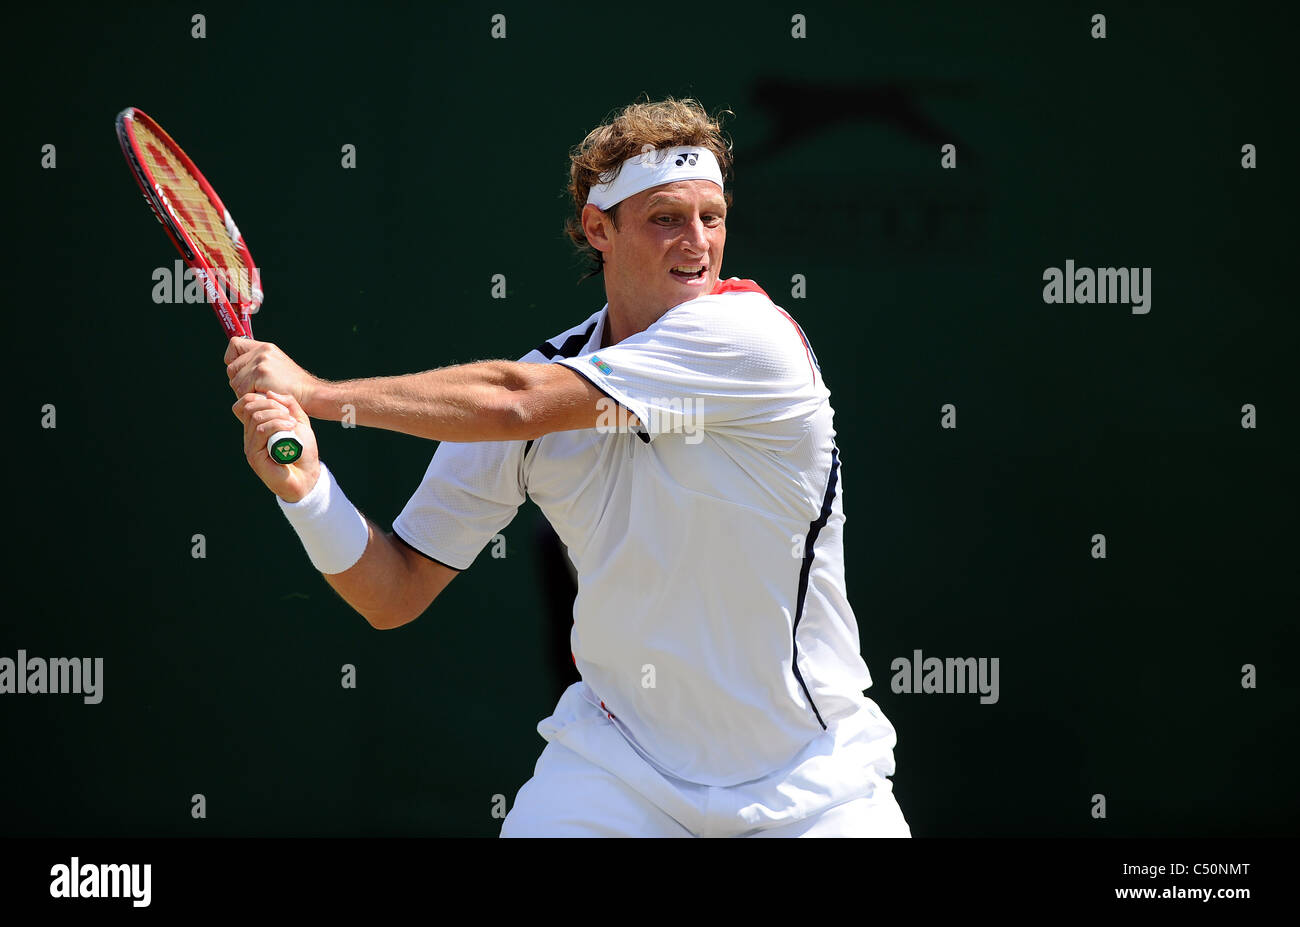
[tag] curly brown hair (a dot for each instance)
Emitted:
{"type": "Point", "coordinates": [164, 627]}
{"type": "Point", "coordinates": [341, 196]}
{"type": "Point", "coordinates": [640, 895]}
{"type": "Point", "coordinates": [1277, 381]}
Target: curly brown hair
{"type": "Point", "coordinates": [664, 124]}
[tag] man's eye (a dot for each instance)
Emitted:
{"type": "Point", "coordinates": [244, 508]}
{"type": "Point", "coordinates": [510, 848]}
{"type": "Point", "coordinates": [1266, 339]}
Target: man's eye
{"type": "Point", "coordinates": [708, 219]}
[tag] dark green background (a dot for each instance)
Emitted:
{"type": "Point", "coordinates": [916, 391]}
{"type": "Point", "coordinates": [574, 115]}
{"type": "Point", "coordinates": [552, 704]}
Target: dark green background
{"type": "Point", "coordinates": [1119, 677]}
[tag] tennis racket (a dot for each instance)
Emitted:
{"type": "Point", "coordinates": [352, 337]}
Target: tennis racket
{"type": "Point", "coordinates": [201, 229]}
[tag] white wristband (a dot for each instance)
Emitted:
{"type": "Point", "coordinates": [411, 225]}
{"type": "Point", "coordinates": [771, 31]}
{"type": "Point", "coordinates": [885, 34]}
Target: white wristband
{"type": "Point", "coordinates": [333, 532]}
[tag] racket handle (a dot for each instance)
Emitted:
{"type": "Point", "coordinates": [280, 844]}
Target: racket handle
{"type": "Point", "coordinates": [284, 447]}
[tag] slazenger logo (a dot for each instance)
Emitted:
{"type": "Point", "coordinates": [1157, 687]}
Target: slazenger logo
{"type": "Point", "coordinates": [76, 880]}
{"type": "Point", "coordinates": [688, 158]}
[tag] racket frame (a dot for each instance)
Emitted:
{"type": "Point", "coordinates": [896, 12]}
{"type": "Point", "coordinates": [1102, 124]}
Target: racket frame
{"type": "Point", "coordinates": [283, 447]}
{"type": "Point", "coordinates": [234, 322]}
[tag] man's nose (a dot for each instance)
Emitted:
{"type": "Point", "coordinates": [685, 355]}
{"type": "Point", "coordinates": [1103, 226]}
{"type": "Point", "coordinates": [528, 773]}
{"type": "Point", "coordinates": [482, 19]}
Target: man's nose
{"type": "Point", "coordinates": [696, 237]}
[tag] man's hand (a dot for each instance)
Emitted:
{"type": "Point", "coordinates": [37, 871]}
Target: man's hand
{"type": "Point", "coordinates": [260, 367]}
{"type": "Point", "coordinates": [263, 416]}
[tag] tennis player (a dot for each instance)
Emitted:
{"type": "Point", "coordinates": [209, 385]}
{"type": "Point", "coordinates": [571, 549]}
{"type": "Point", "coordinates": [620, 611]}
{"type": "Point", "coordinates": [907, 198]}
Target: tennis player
{"type": "Point", "coordinates": [680, 441]}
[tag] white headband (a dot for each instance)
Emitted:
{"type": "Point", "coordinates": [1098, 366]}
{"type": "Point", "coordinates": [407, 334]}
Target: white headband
{"type": "Point", "coordinates": [652, 168]}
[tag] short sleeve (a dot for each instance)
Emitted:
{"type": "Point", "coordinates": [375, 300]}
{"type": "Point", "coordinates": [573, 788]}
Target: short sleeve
{"type": "Point", "coordinates": [469, 493]}
{"type": "Point", "coordinates": [734, 364]}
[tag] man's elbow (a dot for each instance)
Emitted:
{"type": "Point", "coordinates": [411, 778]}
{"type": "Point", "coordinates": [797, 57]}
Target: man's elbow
{"type": "Point", "coordinates": [385, 621]}
{"type": "Point", "coordinates": [541, 399]}
{"type": "Point", "coordinates": [395, 614]}
{"type": "Point", "coordinates": [388, 619]}
{"type": "Point", "coordinates": [403, 590]}
{"type": "Point", "coordinates": [517, 416]}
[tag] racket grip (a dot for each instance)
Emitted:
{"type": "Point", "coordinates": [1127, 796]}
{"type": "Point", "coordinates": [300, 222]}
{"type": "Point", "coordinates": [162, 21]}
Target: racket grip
{"type": "Point", "coordinates": [284, 447]}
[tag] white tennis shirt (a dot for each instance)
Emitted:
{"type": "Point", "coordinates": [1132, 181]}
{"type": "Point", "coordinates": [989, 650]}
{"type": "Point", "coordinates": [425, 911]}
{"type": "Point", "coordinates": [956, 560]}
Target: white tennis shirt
{"type": "Point", "coordinates": [711, 619]}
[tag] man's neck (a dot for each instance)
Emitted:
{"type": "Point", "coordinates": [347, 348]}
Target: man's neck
{"type": "Point", "coordinates": [614, 331]}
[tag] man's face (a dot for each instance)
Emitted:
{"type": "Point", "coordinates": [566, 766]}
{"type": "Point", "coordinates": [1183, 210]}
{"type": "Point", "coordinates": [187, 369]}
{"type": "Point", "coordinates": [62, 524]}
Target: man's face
{"type": "Point", "coordinates": [667, 248]}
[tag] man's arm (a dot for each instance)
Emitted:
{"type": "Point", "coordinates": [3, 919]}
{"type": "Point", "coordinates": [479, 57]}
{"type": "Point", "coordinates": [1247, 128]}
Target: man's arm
{"type": "Point", "coordinates": [484, 401]}
{"type": "Point", "coordinates": [391, 584]}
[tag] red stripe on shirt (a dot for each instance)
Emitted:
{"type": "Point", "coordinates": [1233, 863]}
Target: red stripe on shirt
{"type": "Point", "coordinates": [807, 350]}
{"type": "Point", "coordinates": [737, 285]}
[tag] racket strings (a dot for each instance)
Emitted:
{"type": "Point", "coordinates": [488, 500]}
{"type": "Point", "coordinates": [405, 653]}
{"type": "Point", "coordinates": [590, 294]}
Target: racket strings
{"type": "Point", "coordinates": [196, 213]}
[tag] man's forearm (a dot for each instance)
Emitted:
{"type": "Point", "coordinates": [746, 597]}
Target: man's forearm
{"type": "Point", "coordinates": [483, 401]}
{"type": "Point", "coordinates": [374, 585]}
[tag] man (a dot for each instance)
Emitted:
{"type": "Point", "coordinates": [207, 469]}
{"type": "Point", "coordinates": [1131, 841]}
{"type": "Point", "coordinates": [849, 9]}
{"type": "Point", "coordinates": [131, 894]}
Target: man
{"type": "Point", "coordinates": [680, 441]}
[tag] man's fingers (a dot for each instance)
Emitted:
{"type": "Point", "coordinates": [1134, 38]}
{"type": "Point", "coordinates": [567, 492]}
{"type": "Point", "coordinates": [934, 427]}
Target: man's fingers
{"type": "Point", "coordinates": [272, 425]}
{"type": "Point", "coordinates": [256, 433]}
{"type": "Point", "coordinates": [242, 373]}
{"type": "Point", "coordinates": [237, 363]}
{"type": "Point", "coordinates": [246, 404]}
{"type": "Point", "coordinates": [250, 404]}
{"type": "Point", "coordinates": [278, 413]}
{"type": "Point", "coordinates": [291, 404]}
{"type": "Point", "coordinates": [240, 354]}
{"type": "Point", "coordinates": [254, 366]}
{"type": "Point", "coordinates": [237, 346]}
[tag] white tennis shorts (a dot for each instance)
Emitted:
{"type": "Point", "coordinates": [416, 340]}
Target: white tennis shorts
{"type": "Point", "coordinates": [591, 781]}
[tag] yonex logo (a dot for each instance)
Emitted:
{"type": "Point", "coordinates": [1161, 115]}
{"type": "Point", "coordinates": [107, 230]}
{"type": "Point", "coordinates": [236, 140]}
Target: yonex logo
{"type": "Point", "coordinates": [600, 364]}
{"type": "Point", "coordinates": [286, 451]}
{"type": "Point", "coordinates": [688, 158]}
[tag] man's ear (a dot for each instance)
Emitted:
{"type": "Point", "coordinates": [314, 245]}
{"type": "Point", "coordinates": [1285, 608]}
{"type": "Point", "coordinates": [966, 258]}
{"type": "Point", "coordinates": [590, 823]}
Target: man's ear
{"type": "Point", "coordinates": [597, 226]}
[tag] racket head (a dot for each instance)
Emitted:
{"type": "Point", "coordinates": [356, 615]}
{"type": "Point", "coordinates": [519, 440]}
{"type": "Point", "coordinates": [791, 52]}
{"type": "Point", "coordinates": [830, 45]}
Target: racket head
{"type": "Point", "coordinates": [194, 218]}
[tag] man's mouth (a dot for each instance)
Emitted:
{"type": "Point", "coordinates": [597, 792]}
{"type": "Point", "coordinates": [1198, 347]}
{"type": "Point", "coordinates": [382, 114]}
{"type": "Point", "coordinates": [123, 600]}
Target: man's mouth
{"type": "Point", "coordinates": [688, 272]}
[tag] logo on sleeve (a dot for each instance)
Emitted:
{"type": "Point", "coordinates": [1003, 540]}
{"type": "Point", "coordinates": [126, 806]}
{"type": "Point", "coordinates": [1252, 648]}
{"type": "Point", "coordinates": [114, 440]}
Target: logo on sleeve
{"type": "Point", "coordinates": [601, 365]}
